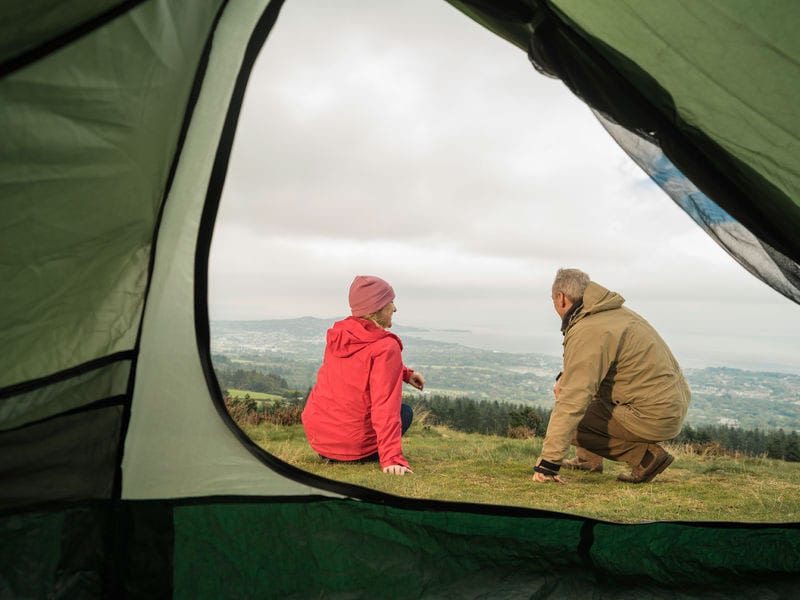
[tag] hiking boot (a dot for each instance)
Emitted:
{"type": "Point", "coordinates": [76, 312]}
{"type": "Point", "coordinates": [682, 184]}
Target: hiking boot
{"type": "Point", "coordinates": [583, 465]}
{"type": "Point", "coordinates": [655, 460]}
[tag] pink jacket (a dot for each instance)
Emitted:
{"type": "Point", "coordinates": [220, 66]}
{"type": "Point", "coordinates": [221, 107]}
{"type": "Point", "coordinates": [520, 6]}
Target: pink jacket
{"type": "Point", "coordinates": [354, 409]}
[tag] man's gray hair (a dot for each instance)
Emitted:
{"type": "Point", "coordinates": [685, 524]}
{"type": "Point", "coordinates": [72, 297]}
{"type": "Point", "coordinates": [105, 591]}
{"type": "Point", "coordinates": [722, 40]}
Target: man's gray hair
{"type": "Point", "coordinates": [571, 282]}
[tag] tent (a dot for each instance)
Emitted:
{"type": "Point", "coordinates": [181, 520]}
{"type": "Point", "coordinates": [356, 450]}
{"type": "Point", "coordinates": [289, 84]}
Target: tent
{"type": "Point", "coordinates": [121, 474]}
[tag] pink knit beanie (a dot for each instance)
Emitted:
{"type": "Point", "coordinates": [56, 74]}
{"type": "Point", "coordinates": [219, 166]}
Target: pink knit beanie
{"type": "Point", "coordinates": [369, 294]}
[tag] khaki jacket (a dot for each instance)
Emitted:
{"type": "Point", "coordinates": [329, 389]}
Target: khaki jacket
{"type": "Point", "coordinates": [611, 354]}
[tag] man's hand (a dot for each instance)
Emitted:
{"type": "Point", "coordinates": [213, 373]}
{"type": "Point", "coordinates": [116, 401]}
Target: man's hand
{"type": "Point", "coordinates": [542, 478]}
{"type": "Point", "coordinates": [397, 470]}
{"type": "Point", "coordinates": [557, 388]}
{"type": "Point", "coordinates": [417, 380]}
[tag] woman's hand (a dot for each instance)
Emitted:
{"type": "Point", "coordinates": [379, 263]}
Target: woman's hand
{"type": "Point", "coordinates": [397, 470]}
{"type": "Point", "coordinates": [417, 380]}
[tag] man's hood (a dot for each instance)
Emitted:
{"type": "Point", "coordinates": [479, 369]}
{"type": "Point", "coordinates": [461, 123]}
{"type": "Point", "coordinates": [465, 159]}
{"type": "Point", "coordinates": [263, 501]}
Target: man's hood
{"type": "Point", "coordinates": [352, 334]}
{"type": "Point", "coordinates": [596, 299]}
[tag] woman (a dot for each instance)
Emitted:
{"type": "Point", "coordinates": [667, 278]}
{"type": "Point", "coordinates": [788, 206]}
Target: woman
{"type": "Point", "coordinates": [354, 412]}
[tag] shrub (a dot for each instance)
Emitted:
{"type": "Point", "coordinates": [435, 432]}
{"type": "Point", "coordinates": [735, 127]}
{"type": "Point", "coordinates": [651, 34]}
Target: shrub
{"type": "Point", "coordinates": [251, 412]}
{"type": "Point", "coordinates": [520, 432]}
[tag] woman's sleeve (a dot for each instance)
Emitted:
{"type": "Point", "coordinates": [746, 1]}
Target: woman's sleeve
{"type": "Point", "coordinates": [407, 373]}
{"type": "Point", "coordinates": [386, 388]}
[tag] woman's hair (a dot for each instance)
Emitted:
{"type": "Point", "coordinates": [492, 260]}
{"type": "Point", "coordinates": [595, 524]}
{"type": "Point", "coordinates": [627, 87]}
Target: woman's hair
{"type": "Point", "coordinates": [374, 316]}
{"type": "Point", "coordinates": [571, 282]}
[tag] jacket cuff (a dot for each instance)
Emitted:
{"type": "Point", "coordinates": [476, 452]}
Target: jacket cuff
{"type": "Point", "coordinates": [546, 467]}
{"type": "Point", "coordinates": [407, 373]}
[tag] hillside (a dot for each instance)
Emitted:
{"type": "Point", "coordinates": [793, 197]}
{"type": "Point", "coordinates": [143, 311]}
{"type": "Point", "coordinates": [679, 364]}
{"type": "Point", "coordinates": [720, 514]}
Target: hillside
{"type": "Point", "coordinates": [293, 349]}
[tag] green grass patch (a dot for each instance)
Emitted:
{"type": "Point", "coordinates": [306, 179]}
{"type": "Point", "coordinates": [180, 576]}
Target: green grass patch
{"type": "Point", "coordinates": [456, 466]}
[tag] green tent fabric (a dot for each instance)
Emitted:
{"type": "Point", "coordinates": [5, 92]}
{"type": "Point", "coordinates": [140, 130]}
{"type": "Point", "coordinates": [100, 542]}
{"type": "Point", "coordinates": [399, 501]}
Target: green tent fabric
{"type": "Point", "coordinates": [121, 474]}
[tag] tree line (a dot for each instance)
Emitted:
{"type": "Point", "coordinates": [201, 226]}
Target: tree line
{"type": "Point", "coordinates": [488, 417]}
{"type": "Point", "coordinates": [253, 381]}
{"type": "Point", "coordinates": [521, 421]}
{"type": "Point", "coordinates": [480, 416]}
{"type": "Point", "coordinates": [750, 442]}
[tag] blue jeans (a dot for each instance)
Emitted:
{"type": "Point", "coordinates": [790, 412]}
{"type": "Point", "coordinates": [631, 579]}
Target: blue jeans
{"type": "Point", "coordinates": [406, 417]}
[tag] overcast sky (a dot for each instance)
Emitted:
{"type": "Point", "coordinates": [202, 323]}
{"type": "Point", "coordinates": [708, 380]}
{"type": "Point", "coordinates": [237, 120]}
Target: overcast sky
{"type": "Point", "coordinates": [403, 140]}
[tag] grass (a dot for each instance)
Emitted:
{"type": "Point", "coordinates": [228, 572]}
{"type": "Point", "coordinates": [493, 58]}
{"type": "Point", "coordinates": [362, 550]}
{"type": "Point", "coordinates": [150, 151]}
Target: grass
{"type": "Point", "coordinates": [456, 466]}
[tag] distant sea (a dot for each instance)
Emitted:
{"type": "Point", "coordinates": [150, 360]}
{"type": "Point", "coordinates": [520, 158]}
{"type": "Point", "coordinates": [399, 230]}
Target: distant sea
{"type": "Point", "coordinates": [693, 352]}
{"type": "Point", "coordinates": [488, 339]}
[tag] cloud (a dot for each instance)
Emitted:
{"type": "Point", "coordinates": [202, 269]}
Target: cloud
{"type": "Point", "coordinates": [404, 140]}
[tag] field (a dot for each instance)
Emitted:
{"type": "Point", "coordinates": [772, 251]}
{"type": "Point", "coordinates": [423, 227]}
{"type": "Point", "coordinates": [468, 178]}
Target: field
{"type": "Point", "coordinates": [455, 466]}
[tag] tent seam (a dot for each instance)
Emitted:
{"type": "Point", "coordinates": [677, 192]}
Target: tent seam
{"type": "Point", "coordinates": [22, 60]}
{"type": "Point", "coordinates": [65, 374]}
{"type": "Point", "coordinates": [94, 405]}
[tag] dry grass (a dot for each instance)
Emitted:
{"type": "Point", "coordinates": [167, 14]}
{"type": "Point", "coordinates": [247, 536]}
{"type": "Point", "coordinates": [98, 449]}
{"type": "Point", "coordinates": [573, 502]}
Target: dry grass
{"type": "Point", "coordinates": [455, 466]}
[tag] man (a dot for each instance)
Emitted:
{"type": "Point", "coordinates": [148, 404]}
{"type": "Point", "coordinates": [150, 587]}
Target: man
{"type": "Point", "coordinates": [620, 392]}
